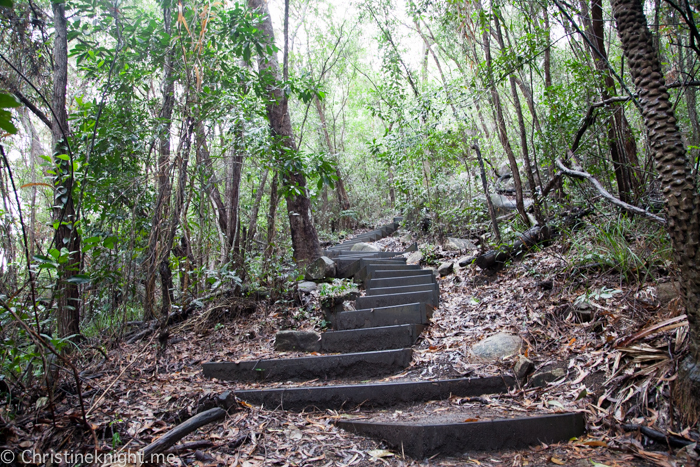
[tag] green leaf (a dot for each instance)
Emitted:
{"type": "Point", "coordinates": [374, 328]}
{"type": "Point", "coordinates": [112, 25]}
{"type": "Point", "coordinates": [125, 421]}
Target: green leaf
{"type": "Point", "coordinates": [79, 279]}
{"type": "Point", "coordinates": [109, 242]}
{"type": "Point", "coordinates": [6, 3]}
{"type": "Point", "coordinates": [63, 157]}
{"type": "Point", "coordinates": [8, 101]}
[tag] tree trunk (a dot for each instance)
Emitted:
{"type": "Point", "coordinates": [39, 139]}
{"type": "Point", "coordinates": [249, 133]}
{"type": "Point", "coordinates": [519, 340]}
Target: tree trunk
{"type": "Point", "coordinates": [253, 223]}
{"type": "Point", "coordinates": [66, 235]}
{"type": "Point", "coordinates": [523, 130]}
{"type": "Point", "coordinates": [682, 207]}
{"type": "Point", "coordinates": [341, 194]}
{"type": "Point", "coordinates": [233, 184]}
{"type": "Point", "coordinates": [501, 124]}
{"type": "Point", "coordinates": [271, 216]}
{"type": "Point", "coordinates": [623, 148]}
{"type": "Point", "coordinates": [485, 185]}
{"type": "Point", "coordinates": [163, 178]}
{"type": "Point", "coordinates": [304, 237]}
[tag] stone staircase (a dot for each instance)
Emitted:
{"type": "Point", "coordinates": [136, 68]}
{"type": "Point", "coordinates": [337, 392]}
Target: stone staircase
{"type": "Point", "coordinates": [374, 341]}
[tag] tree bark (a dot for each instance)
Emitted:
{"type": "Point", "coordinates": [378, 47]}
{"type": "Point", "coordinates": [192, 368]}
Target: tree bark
{"type": "Point", "coordinates": [271, 216]}
{"type": "Point", "coordinates": [253, 223]}
{"type": "Point", "coordinates": [501, 125]}
{"type": "Point", "coordinates": [682, 206]}
{"type": "Point", "coordinates": [162, 179]}
{"type": "Point", "coordinates": [523, 130]}
{"type": "Point", "coordinates": [66, 235]}
{"type": "Point", "coordinates": [304, 236]}
{"type": "Point", "coordinates": [623, 148]}
{"type": "Point", "coordinates": [489, 203]}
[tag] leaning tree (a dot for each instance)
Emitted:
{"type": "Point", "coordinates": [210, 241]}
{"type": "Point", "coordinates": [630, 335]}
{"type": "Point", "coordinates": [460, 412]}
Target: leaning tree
{"type": "Point", "coordinates": [677, 180]}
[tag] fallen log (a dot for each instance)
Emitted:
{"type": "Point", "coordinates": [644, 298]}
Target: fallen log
{"type": "Point", "coordinates": [176, 434]}
{"type": "Point", "coordinates": [496, 258]}
{"type": "Point", "coordinates": [537, 235]}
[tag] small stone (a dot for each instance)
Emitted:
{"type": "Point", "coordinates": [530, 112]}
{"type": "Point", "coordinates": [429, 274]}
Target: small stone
{"type": "Point", "coordinates": [498, 346]}
{"type": "Point", "coordinates": [541, 378]}
{"type": "Point", "coordinates": [459, 244]}
{"type": "Point", "coordinates": [320, 268]}
{"type": "Point", "coordinates": [522, 367]}
{"type": "Point", "coordinates": [299, 341]}
{"type": "Point", "coordinates": [666, 292]}
{"type": "Point", "coordinates": [414, 258]}
{"type": "Point", "coordinates": [307, 286]}
{"type": "Point", "coordinates": [445, 268]}
{"type": "Point", "coordinates": [364, 247]}
{"type": "Point", "coordinates": [466, 261]}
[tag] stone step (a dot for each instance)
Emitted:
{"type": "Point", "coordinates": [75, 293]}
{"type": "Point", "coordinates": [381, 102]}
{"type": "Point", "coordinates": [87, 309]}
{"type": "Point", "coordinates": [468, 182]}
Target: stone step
{"type": "Point", "coordinates": [350, 267]}
{"type": "Point", "coordinates": [359, 254]}
{"type": "Point", "coordinates": [376, 301]}
{"type": "Point", "coordinates": [411, 313]}
{"type": "Point", "coordinates": [368, 269]}
{"type": "Point", "coordinates": [400, 281]}
{"type": "Point", "coordinates": [360, 366]}
{"type": "Point", "coordinates": [371, 339]}
{"type": "Point", "coordinates": [431, 437]}
{"type": "Point", "coordinates": [406, 289]}
{"type": "Point", "coordinates": [348, 397]}
{"type": "Point", "coordinates": [379, 274]}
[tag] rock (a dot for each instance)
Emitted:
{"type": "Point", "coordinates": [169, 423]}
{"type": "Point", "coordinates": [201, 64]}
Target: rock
{"type": "Point", "coordinates": [504, 170]}
{"type": "Point", "coordinates": [445, 268]}
{"type": "Point", "coordinates": [307, 286]}
{"type": "Point", "coordinates": [541, 378]}
{"type": "Point", "coordinates": [414, 258]}
{"type": "Point", "coordinates": [464, 262]}
{"type": "Point", "coordinates": [364, 247]}
{"type": "Point", "coordinates": [498, 346]}
{"type": "Point", "coordinates": [320, 268]}
{"type": "Point", "coordinates": [459, 244]}
{"type": "Point", "coordinates": [504, 205]}
{"type": "Point", "coordinates": [408, 238]}
{"type": "Point", "coordinates": [300, 341]}
{"type": "Point", "coordinates": [413, 247]}
{"type": "Point", "coordinates": [522, 367]}
{"type": "Point", "coordinates": [667, 291]}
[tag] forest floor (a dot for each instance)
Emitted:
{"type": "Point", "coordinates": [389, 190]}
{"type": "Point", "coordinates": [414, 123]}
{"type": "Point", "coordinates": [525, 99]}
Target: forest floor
{"type": "Point", "coordinates": [613, 373]}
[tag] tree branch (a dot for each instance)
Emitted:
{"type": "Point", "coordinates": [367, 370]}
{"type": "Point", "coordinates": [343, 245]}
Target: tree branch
{"type": "Point", "coordinates": [605, 194]}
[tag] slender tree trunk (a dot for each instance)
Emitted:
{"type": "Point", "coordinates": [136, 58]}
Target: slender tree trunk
{"type": "Point", "coordinates": [162, 179]}
{"type": "Point", "coordinates": [271, 216]}
{"type": "Point", "coordinates": [623, 148]}
{"type": "Point", "coordinates": [485, 186]}
{"type": "Point", "coordinates": [304, 237]}
{"type": "Point", "coordinates": [207, 170]}
{"type": "Point", "coordinates": [233, 186]}
{"type": "Point", "coordinates": [341, 194]}
{"type": "Point", "coordinates": [8, 281]}
{"type": "Point", "coordinates": [501, 124]}
{"type": "Point", "coordinates": [35, 149]}
{"type": "Point", "coordinates": [253, 223]}
{"type": "Point", "coordinates": [66, 235]}
{"type": "Point", "coordinates": [523, 130]}
{"type": "Point", "coordinates": [678, 184]}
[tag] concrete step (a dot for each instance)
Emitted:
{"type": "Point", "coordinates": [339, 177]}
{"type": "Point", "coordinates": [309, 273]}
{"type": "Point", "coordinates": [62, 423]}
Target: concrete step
{"type": "Point", "coordinates": [371, 339]}
{"type": "Point", "coordinates": [367, 270]}
{"type": "Point", "coordinates": [372, 395]}
{"type": "Point", "coordinates": [411, 313]}
{"type": "Point", "coordinates": [361, 365]}
{"type": "Point", "coordinates": [379, 274]}
{"type": "Point", "coordinates": [400, 281]}
{"type": "Point", "coordinates": [350, 267]}
{"type": "Point", "coordinates": [432, 437]}
{"type": "Point", "coordinates": [376, 301]}
{"type": "Point", "coordinates": [406, 289]}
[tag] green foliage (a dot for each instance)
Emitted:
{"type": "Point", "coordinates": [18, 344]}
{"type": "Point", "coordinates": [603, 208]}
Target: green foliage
{"type": "Point", "coordinates": [337, 288]}
{"type": "Point", "coordinates": [633, 248]}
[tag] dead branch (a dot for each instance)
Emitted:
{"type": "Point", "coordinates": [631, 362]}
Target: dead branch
{"type": "Point", "coordinates": [180, 431]}
{"type": "Point", "coordinates": [605, 194]}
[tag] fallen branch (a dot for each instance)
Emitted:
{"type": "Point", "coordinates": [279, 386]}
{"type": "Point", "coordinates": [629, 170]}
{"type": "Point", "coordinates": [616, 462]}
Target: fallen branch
{"type": "Point", "coordinates": [659, 437]}
{"type": "Point", "coordinates": [180, 431]}
{"type": "Point", "coordinates": [605, 194]}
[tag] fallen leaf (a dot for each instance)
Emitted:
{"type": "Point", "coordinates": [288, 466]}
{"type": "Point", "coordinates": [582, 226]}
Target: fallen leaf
{"type": "Point", "coordinates": [379, 453]}
{"type": "Point", "coordinates": [556, 460]}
